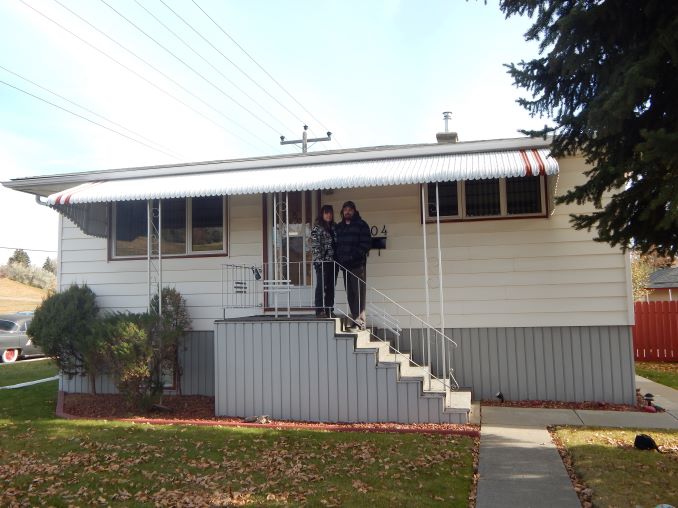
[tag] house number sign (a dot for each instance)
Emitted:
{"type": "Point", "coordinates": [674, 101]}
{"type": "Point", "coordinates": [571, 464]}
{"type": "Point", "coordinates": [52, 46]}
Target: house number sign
{"type": "Point", "coordinates": [375, 231]}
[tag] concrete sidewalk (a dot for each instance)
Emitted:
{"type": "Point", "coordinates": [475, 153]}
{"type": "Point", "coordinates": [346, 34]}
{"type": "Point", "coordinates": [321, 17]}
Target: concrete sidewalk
{"type": "Point", "coordinates": [519, 464]}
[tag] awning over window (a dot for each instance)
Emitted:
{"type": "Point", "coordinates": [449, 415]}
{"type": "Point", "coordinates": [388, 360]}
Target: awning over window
{"type": "Point", "coordinates": [354, 174]}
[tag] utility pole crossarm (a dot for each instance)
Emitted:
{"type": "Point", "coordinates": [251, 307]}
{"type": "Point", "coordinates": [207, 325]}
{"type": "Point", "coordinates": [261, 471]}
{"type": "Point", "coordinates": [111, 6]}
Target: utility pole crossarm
{"type": "Point", "coordinates": [304, 140]}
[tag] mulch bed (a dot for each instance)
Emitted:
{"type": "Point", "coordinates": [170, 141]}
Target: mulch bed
{"type": "Point", "coordinates": [199, 409]}
{"type": "Point", "coordinates": [553, 404]}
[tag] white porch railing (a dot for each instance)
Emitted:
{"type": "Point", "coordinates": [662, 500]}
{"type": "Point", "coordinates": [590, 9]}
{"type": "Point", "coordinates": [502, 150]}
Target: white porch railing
{"type": "Point", "coordinates": [290, 288]}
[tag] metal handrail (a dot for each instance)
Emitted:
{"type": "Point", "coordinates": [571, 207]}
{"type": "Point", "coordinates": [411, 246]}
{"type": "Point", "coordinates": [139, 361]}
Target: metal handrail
{"type": "Point", "coordinates": [447, 372]}
{"type": "Point", "coordinates": [248, 288]}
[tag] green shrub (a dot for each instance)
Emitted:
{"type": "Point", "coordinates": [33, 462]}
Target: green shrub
{"type": "Point", "coordinates": [166, 333]}
{"type": "Point", "coordinates": [129, 356]}
{"type": "Point", "coordinates": [64, 326]}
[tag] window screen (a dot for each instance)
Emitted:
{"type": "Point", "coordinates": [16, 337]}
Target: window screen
{"type": "Point", "coordinates": [130, 228]}
{"type": "Point", "coordinates": [447, 198]}
{"type": "Point", "coordinates": [174, 226]}
{"type": "Point", "coordinates": [523, 195]}
{"type": "Point", "coordinates": [208, 223]}
{"type": "Point", "coordinates": [482, 197]}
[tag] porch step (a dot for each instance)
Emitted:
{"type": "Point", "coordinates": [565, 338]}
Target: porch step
{"type": "Point", "coordinates": [455, 402]}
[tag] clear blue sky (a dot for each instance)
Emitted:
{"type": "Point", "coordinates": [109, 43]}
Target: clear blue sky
{"type": "Point", "coordinates": [374, 73]}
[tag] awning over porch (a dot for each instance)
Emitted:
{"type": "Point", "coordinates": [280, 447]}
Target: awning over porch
{"type": "Point", "coordinates": [353, 174]}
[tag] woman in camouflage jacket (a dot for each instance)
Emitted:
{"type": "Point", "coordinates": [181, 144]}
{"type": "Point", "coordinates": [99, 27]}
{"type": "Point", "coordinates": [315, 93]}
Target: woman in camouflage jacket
{"type": "Point", "coordinates": [323, 243]}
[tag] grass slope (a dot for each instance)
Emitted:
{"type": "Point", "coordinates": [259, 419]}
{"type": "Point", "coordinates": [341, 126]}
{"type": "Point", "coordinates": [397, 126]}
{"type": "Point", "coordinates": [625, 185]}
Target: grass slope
{"type": "Point", "coordinates": [15, 297]}
{"type": "Point", "coordinates": [87, 462]}
{"type": "Point", "coordinates": [21, 372]}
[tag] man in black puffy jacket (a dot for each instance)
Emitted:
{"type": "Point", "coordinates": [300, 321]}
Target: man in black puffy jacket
{"type": "Point", "coordinates": [353, 244]}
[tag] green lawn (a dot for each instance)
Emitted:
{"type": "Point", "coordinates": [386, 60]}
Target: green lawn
{"type": "Point", "coordinates": [20, 372]}
{"type": "Point", "coordinates": [659, 372]}
{"type": "Point", "coordinates": [86, 462]}
{"type": "Point", "coordinates": [619, 475]}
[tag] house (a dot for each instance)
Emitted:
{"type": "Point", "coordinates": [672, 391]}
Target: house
{"type": "Point", "coordinates": [663, 284]}
{"type": "Point", "coordinates": [477, 280]}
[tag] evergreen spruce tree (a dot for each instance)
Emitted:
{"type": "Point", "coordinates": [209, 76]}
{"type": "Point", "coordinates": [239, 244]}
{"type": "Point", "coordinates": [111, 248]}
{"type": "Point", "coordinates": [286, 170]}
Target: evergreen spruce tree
{"type": "Point", "coordinates": [608, 77]}
{"type": "Point", "coordinates": [20, 257]}
{"type": "Point", "coordinates": [49, 265]}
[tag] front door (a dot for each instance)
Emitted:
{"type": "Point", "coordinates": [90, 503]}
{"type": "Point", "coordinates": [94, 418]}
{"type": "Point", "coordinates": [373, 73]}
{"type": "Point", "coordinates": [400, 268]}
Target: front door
{"type": "Point", "coordinates": [288, 222]}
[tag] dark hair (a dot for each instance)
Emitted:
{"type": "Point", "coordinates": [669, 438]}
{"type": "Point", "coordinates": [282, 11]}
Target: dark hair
{"type": "Point", "coordinates": [321, 220]}
{"type": "Point", "coordinates": [349, 204]}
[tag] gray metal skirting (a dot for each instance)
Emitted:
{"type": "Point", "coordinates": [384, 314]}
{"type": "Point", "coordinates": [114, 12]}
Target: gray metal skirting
{"type": "Point", "coordinates": [551, 363]}
{"type": "Point", "coordinates": [300, 370]}
{"type": "Point", "coordinates": [577, 363]}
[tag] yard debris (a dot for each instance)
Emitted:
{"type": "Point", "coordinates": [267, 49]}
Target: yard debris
{"type": "Point", "coordinates": [556, 404]}
{"type": "Point", "coordinates": [263, 419]}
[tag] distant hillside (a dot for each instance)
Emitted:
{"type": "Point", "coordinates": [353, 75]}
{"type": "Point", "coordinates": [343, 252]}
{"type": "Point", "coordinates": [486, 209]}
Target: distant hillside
{"type": "Point", "coordinates": [15, 296]}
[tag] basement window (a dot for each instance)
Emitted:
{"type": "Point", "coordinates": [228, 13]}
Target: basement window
{"type": "Point", "coordinates": [492, 198]}
{"type": "Point", "coordinates": [190, 227]}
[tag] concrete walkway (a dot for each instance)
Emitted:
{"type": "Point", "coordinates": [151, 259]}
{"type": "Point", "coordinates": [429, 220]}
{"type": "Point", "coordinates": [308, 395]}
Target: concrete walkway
{"type": "Point", "coordinates": [519, 464]}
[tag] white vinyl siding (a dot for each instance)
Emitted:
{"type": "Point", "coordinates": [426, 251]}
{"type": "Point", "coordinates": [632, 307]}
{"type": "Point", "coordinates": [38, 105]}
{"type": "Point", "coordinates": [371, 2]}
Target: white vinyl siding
{"type": "Point", "coordinates": [503, 273]}
{"type": "Point", "coordinates": [531, 272]}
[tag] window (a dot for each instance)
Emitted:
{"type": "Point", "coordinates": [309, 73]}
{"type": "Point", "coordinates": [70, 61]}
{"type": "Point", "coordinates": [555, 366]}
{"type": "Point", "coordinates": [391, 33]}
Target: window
{"type": "Point", "coordinates": [207, 227]}
{"type": "Point", "coordinates": [523, 195]}
{"type": "Point", "coordinates": [489, 198]}
{"type": "Point", "coordinates": [482, 198]}
{"type": "Point", "coordinates": [447, 194]}
{"type": "Point", "coordinates": [173, 226]}
{"type": "Point", "coordinates": [189, 226]}
{"type": "Point", "coordinates": [130, 228]}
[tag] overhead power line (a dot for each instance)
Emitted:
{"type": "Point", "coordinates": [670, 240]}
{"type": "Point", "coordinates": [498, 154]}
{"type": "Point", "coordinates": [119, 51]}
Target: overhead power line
{"type": "Point", "coordinates": [260, 67]}
{"type": "Point", "coordinates": [196, 72]}
{"type": "Point", "coordinates": [26, 248]}
{"type": "Point", "coordinates": [157, 87]}
{"type": "Point", "coordinates": [257, 84]}
{"type": "Point", "coordinates": [166, 77]}
{"type": "Point", "coordinates": [202, 57]}
{"type": "Point", "coordinates": [87, 119]}
{"type": "Point", "coordinates": [175, 154]}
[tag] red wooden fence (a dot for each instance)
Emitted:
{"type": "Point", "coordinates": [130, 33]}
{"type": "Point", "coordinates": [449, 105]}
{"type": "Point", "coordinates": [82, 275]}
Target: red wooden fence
{"type": "Point", "coordinates": [655, 335]}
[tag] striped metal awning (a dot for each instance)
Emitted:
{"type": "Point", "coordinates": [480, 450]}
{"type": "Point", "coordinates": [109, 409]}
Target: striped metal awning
{"type": "Point", "coordinates": [352, 174]}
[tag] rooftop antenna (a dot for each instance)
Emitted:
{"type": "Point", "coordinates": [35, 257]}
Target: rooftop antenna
{"type": "Point", "coordinates": [447, 115]}
{"type": "Point", "coordinates": [304, 140]}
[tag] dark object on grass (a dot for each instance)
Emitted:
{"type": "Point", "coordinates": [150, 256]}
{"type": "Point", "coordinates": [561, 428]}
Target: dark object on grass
{"type": "Point", "coordinates": [500, 396]}
{"type": "Point", "coordinates": [257, 419]}
{"type": "Point", "coordinates": [159, 408]}
{"type": "Point", "coordinates": [645, 442]}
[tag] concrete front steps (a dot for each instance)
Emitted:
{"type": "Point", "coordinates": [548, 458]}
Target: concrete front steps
{"type": "Point", "coordinates": [455, 405]}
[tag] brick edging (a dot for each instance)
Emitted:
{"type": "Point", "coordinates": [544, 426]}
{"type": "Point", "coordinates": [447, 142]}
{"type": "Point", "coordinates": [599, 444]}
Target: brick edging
{"type": "Point", "coordinates": [278, 426]}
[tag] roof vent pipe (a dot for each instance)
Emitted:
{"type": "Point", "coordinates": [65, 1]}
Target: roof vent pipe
{"type": "Point", "coordinates": [447, 137]}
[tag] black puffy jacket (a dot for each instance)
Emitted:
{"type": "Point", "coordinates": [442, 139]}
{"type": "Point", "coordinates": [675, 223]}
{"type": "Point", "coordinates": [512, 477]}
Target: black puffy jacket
{"type": "Point", "coordinates": [353, 242]}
